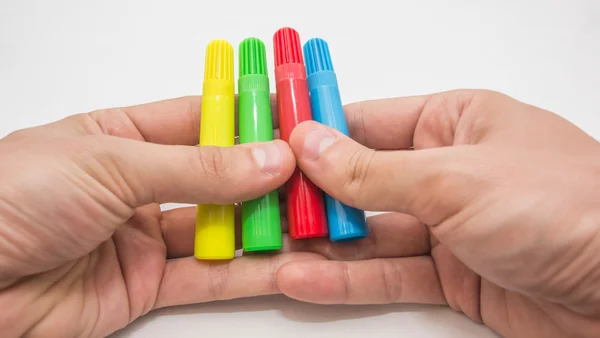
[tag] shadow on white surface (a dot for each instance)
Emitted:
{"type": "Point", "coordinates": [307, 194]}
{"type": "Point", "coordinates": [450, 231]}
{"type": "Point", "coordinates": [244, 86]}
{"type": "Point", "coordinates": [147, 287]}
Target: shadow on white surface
{"type": "Point", "coordinates": [290, 309]}
{"type": "Point", "coordinates": [294, 318]}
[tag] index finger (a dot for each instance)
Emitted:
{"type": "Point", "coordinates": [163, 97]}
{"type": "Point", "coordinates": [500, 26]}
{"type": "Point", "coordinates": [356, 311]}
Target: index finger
{"type": "Point", "coordinates": [172, 121]}
{"type": "Point", "coordinates": [385, 124]}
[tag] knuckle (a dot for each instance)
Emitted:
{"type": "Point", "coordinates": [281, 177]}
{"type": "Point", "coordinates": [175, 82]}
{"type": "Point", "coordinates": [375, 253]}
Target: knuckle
{"type": "Point", "coordinates": [358, 172]}
{"type": "Point", "coordinates": [452, 102]}
{"type": "Point", "coordinates": [440, 116]}
{"type": "Point", "coordinates": [218, 280]}
{"type": "Point", "coordinates": [212, 162]}
{"type": "Point", "coordinates": [482, 94]}
{"type": "Point", "coordinates": [391, 282]}
{"type": "Point", "coordinates": [355, 115]}
{"type": "Point", "coordinates": [18, 134]}
{"type": "Point", "coordinates": [461, 100]}
{"type": "Point", "coordinates": [85, 123]}
{"type": "Point", "coordinates": [100, 158]}
{"type": "Point", "coordinates": [347, 290]}
{"type": "Point", "coordinates": [274, 264]}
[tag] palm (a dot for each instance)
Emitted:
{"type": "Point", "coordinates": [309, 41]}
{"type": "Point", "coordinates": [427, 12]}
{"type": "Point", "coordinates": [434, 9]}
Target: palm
{"type": "Point", "coordinates": [109, 287]}
{"type": "Point", "coordinates": [485, 302]}
{"type": "Point", "coordinates": [127, 273]}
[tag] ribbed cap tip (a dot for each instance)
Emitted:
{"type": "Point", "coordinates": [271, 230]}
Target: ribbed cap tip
{"type": "Point", "coordinates": [287, 46]}
{"type": "Point", "coordinates": [252, 57]}
{"type": "Point", "coordinates": [219, 61]}
{"type": "Point", "coordinates": [318, 58]}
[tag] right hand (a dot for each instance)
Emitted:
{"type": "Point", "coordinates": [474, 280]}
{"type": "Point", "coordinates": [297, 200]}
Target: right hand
{"type": "Point", "coordinates": [504, 203]}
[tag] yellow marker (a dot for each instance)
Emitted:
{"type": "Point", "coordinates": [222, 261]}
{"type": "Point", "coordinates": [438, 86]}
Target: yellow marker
{"type": "Point", "coordinates": [215, 224]}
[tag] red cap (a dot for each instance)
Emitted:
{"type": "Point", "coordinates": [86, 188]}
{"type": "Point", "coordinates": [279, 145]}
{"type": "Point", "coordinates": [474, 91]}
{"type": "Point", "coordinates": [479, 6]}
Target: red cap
{"type": "Point", "coordinates": [287, 46]}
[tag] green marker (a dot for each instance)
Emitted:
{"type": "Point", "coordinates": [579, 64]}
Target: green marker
{"type": "Point", "coordinates": [261, 223]}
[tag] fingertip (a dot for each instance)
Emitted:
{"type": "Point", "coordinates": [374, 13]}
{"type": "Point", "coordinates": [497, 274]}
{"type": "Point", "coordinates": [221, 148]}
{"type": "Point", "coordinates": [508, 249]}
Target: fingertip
{"type": "Point", "coordinates": [288, 160]}
{"type": "Point", "coordinates": [310, 139]}
{"type": "Point", "coordinates": [274, 158]}
{"type": "Point", "coordinates": [289, 276]}
{"type": "Point", "coordinates": [309, 281]}
{"type": "Point", "coordinates": [300, 134]}
{"type": "Point", "coordinates": [293, 280]}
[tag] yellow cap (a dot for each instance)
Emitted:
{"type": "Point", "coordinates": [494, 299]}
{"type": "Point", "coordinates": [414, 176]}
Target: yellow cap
{"type": "Point", "coordinates": [219, 61]}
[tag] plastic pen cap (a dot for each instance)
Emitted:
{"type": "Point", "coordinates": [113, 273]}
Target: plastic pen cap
{"type": "Point", "coordinates": [345, 223]}
{"type": "Point", "coordinates": [253, 57]}
{"type": "Point", "coordinates": [287, 46]}
{"type": "Point", "coordinates": [318, 57]}
{"type": "Point", "coordinates": [305, 206]}
{"type": "Point", "coordinates": [261, 223]}
{"type": "Point", "coordinates": [219, 61]}
{"type": "Point", "coordinates": [215, 224]}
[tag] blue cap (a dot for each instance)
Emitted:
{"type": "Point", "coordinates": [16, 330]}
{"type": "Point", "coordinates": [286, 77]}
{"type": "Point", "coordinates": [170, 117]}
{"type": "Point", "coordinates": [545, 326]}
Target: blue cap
{"type": "Point", "coordinates": [317, 56]}
{"type": "Point", "coordinates": [326, 103]}
{"type": "Point", "coordinates": [345, 223]}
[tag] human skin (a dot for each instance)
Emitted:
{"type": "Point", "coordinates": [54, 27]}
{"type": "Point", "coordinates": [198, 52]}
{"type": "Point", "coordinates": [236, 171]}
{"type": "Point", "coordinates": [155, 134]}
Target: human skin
{"type": "Point", "coordinates": [509, 193]}
{"type": "Point", "coordinates": [495, 211]}
{"type": "Point", "coordinates": [83, 241]}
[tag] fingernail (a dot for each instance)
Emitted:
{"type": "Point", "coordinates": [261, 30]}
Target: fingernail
{"type": "Point", "coordinates": [268, 157]}
{"type": "Point", "coordinates": [317, 141]}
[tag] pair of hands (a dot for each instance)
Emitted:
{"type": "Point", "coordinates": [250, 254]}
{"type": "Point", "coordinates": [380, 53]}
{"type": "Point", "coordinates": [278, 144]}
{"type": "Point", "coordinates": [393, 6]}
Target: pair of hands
{"type": "Point", "coordinates": [494, 210]}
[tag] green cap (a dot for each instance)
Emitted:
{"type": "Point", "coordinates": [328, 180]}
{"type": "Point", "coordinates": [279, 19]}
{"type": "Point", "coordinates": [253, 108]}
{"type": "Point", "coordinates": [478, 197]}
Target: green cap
{"type": "Point", "coordinates": [253, 57]}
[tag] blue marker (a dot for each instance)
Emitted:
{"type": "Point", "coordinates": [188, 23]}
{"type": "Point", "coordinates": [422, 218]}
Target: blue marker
{"type": "Point", "coordinates": [345, 223]}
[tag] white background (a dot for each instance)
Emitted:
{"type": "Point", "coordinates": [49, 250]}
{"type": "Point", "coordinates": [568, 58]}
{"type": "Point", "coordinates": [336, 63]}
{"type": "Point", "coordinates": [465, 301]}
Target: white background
{"type": "Point", "coordinates": [63, 57]}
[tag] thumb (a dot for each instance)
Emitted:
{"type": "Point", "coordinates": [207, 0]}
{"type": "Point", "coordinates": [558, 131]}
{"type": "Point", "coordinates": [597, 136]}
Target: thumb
{"type": "Point", "coordinates": [140, 173]}
{"type": "Point", "coordinates": [427, 184]}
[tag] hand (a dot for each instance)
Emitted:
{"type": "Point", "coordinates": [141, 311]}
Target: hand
{"type": "Point", "coordinates": [504, 205]}
{"type": "Point", "coordinates": [83, 241]}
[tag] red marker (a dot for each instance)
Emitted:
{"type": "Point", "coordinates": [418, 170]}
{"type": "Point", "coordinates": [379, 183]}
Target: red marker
{"type": "Point", "coordinates": [305, 205]}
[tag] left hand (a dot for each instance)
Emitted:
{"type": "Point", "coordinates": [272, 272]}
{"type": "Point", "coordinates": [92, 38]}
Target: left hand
{"type": "Point", "coordinates": [84, 246]}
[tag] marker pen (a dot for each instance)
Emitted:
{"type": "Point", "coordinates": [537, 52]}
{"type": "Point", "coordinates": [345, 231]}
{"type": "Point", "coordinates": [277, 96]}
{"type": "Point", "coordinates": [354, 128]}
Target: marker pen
{"type": "Point", "coordinates": [261, 224]}
{"type": "Point", "coordinates": [306, 211]}
{"type": "Point", "coordinates": [345, 223]}
{"type": "Point", "coordinates": [215, 224]}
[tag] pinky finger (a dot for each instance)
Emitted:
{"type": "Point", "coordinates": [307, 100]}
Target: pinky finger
{"type": "Point", "coordinates": [376, 281]}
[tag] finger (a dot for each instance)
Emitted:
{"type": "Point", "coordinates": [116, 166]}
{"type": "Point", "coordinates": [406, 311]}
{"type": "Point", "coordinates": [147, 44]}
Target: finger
{"type": "Point", "coordinates": [429, 184]}
{"type": "Point", "coordinates": [423, 121]}
{"type": "Point", "coordinates": [461, 285]}
{"type": "Point", "coordinates": [377, 281]}
{"type": "Point", "coordinates": [140, 173]}
{"type": "Point", "coordinates": [146, 219]}
{"type": "Point", "coordinates": [178, 228]}
{"type": "Point", "coordinates": [187, 280]}
{"type": "Point", "coordinates": [385, 123]}
{"type": "Point", "coordinates": [172, 121]}
{"type": "Point", "coordinates": [390, 235]}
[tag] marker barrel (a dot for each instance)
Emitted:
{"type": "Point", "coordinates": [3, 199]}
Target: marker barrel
{"type": "Point", "coordinates": [345, 223]}
{"type": "Point", "coordinates": [261, 223]}
{"type": "Point", "coordinates": [215, 224]}
{"type": "Point", "coordinates": [305, 205]}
